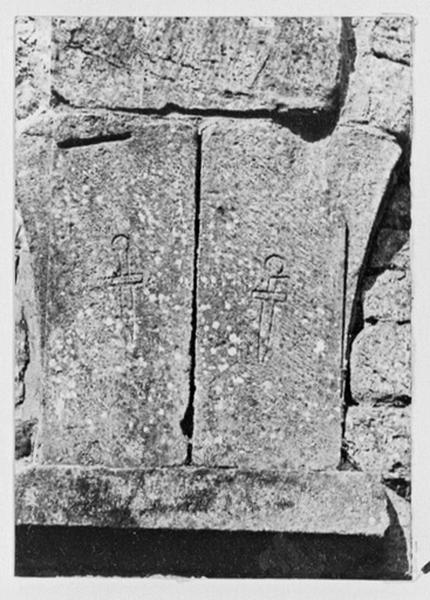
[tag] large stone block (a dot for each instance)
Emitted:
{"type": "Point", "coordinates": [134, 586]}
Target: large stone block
{"type": "Point", "coordinates": [218, 63]}
{"type": "Point", "coordinates": [201, 498]}
{"type": "Point", "coordinates": [379, 439]}
{"type": "Point", "coordinates": [392, 38]}
{"type": "Point", "coordinates": [118, 267]}
{"type": "Point", "coordinates": [270, 300]}
{"type": "Point", "coordinates": [380, 95]}
{"type": "Point", "coordinates": [387, 297]}
{"type": "Point", "coordinates": [381, 362]}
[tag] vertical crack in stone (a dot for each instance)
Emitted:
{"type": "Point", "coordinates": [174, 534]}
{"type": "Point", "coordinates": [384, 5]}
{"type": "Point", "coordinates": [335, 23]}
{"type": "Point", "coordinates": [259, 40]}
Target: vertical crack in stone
{"type": "Point", "coordinates": [187, 422]}
{"type": "Point", "coordinates": [348, 52]}
{"type": "Point", "coordinates": [18, 246]}
{"type": "Point", "coordinates": [345, 462]}
{"type": "Point", "coordinates": [22, 359]}
{"type": "Point", "coordinates": [343, 362]}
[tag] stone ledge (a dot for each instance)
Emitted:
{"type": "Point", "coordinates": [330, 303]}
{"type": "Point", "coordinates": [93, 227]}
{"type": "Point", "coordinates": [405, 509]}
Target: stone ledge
{"type": "Point", "coordinates": [201, 498]}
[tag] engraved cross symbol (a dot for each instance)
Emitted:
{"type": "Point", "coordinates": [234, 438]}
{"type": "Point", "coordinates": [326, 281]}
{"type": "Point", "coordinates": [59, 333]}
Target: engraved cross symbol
{"type": "Point", "coordinates": [269, 297]}
{"type": "Point", "coordinates": [125, 280]}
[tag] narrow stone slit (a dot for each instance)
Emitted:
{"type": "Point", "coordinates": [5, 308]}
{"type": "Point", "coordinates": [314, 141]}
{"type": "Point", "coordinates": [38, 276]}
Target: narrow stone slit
{"type": "Point", "coordinates": [76, 142]}
{"type": "Point", "coordinates": [344, 362]}
{"type": "Point", "coordinates": [343, 356]}
{"type": "Point", "coordinates": [187, 423]}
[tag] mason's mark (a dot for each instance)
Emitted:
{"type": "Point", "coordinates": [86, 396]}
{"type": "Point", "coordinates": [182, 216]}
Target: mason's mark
{"type": "Point", "coordinates": [273, 294]}
{"type": "Point", "coordinates": [125, 280]}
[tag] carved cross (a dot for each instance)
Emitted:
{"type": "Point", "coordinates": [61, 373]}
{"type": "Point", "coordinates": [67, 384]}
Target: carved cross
{"type": "Point", "coordinates": [270, 296]}
{"type": "Point", "coordinates": [124, 279]}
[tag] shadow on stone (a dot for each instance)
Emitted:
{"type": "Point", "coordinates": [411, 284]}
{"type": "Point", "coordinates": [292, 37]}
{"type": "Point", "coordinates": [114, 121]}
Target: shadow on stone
{"type": "Point", "coordinates": [51, 551]}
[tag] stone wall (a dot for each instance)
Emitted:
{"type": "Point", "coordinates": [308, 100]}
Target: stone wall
{"type": "Point", "coordinates": [353, 102]}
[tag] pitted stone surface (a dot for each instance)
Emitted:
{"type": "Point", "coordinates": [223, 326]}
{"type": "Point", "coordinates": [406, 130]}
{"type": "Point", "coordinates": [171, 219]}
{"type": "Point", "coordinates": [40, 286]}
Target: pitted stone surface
{"type": "Point", "coordinates": [351, 152]}
{"type": "Point", "coordinates": [380, 86]}
{"type": "Point", "coordinates": [32, 64]}
{"type": "Point", "coordinates": [381, 362]}
{"type": "Point", "coordinates": [190, 498]}
{"type": "Point", "coordinates": [392, 38]}
{"type": "Point", "coordinates": [379, 439]}
{"type": "Point", "coordinates": [218, 63]}
{"type": "Point", "coordinates": [118, 311]}
{"type": "Point", "coordinates": [270, 284]}
{"type": "Point", "coordinates": [387, 297]}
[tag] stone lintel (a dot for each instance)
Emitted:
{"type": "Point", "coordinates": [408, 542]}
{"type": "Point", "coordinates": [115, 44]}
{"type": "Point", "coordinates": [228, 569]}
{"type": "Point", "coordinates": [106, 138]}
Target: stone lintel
{"type": "Point", "coordinates": [198, 63]}
{"type": "Point", "coordinates": [338, 502]}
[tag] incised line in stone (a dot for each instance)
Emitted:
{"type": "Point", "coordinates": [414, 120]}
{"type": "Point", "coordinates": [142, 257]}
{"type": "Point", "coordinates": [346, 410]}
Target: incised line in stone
{"type": "Point", "coordinates": [273, 294]}
{"type": "Point", "coordinates": [123, 278]}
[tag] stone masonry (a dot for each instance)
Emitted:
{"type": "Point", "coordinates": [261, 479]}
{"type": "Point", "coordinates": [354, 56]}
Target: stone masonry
{"type": "Point", "coordinates": [212, 274]}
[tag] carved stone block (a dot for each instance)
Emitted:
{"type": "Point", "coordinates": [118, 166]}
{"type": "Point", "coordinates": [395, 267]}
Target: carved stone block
{"type": "Point", "coordinates": [117, 317]}
{"type": "Point", "coordinates": [219, 63]}
{"type": "Point", "coordinates": [270, 299]}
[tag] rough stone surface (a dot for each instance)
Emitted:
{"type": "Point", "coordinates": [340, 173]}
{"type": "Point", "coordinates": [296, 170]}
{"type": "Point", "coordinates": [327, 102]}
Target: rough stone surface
{"type": "Point", "coordinates": [380, 89]}
{"type": "Point", "coordinates": [27, 347]}
{"type": "Point", "coordinates": [387, 297]}
{"type": "Point", "coordinates": [379, 439]}
{"type": "Point", "coordinates": [391, 250]}
{"type": "Point", "coordinates": [189, 498]}
{"type": "Point", "coordinates": [118, 310]}
{"type": "Point", "coordinates": [32, 64]}
{"type": "Point", "coordinates": [380, 362]}
{"type": "Point", "coordinates": [32, 193]}
{"type": "Point", "coordinates": [392, 38]}
{"type": "Point", "coordinates": [219, 63]}
{"type": "Point", "coordinates": [267, 371]}
{"type": "Point", "coordinates": [351, 152]}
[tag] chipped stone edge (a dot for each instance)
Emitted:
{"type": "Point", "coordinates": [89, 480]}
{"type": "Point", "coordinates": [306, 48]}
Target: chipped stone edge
{"type": "Point", "coordinates": [319, 502]}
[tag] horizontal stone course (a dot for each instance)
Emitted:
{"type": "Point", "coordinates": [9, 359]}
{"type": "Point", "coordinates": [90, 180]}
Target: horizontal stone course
{"type": "Point", "coordinates": [200, 498]}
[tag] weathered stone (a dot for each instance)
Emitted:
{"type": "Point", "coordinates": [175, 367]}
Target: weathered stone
{"type": "Point", "coordinates": [270, 299]}
{"type": "Point", "coordinates": [387, 297]}
{"type": "Point", "coordinates": [200, 498]}
{"type": "Point", "coordinates": [118, 302]}
{"type": "Point", "coordinates": [381, 362]}
{"type": "Point", "coordinates": [27, 342]}
{"type": "Point", "coordinates": [351, 152]}
{"type": "Point", "coordinates": [379, 94]}
{"type": "Point", "coordinates": [32, 64]}
{"type": "Point", "coordinates": [22, 357]}
{"type": "Point", "coordinates": [379, 439]}
{"type": "Point", "coordinates": [32, 192]}
{"type": "Point", "coordinates": [392, 38]}
{"type": "Point", "coordinates": [218, 63]}
{"type": "Point", "coordinates": [24, 438]}
{"type": "Point", "coordinates": [391, 250]}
